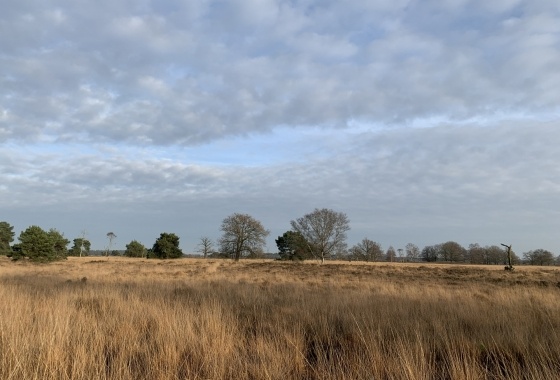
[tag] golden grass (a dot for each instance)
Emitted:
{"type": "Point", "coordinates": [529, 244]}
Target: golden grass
{"type": "Point", "coordinates": [117, 318]}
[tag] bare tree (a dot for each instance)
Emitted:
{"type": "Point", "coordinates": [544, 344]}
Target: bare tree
{"type": "Point", "coordinates": [508, 252]}
{"type": "Point", "coordinates": [111, 237]}
{"type": "Point", "coordinates": [242, 235]}
{"type": "Point", "coordinates": [412, 252]}
{"type": "Point", "coordinates": [367, 250]}
{"type": "Point", "coordinates": [205, 246]}
{"type": "Point", "coordinates": [324, 231]}
{"type": "Point", "coordinates": [391, 254]}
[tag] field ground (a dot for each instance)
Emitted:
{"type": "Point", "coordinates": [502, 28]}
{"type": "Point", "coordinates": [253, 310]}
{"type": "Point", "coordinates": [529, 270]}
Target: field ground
{"type": "Point", "coordinates": [118, 318]}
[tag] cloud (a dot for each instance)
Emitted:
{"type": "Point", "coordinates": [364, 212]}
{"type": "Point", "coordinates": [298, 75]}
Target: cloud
{"type": "Point", "coordinates": [418, 119]}
{"type": "Point", "coordinates": [439, 179]}
{"type": "Point", "coordinates": [185, 74]}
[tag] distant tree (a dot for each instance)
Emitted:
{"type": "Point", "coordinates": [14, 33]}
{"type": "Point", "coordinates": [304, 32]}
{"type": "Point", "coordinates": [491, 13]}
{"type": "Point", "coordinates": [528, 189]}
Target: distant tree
{"type": "Point", "coordinates": [60, 244]}
{"type": "Point", "coordinates": [495, 255]}
{"type": "Point", "coordinates": [167, 246]}
{"type": "Point", "coordinates": [400, 253]}
{"type": "Point", "coordinates": [150, 253]}
{"type": "Point", "coordinates": [135, 249]}
{"type": "Point", "coordinates": [451, 252]}
{"type": "Point", "coordinates": [242, 235]}
{"type": "Point", "coordinates": [475, 254]}
{"type": "Point", "coordinates": [81, 247]}
{"type": "Point", "coordinates": [324, 232]}
{"type": "Point", "coordinates": [412, 252]}
{"type": "Point", "coordinates": [205, 246]}
{"type": "Point", "coordinates": [391, 254]}
{"type": "Point", "coordinates": [40, 246]}
{"type": "Point", "coordinates": [111, 236]}
{"type": "Point", "coordinates": [6, 237]}
{"type": "Point", "coordinates": [430, 253]}
{"type": "Point", "coordinates": [367, 250]}
{"type": "Point", "coordinates": [539, 257]}
{"type": "Point", "coordinates": [488, 255]}
{"type": "Point", "coordinates": [343, 255]}
{"type": "Point", "coordinates": [292, 246]}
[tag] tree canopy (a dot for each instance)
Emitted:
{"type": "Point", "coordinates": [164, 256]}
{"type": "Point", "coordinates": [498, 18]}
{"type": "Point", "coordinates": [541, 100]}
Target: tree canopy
{"type": "Point", "coordinates": [292, 246]}
{"type": "Point", "coordinates": [135, 249]}
{"type": "Point", "coordinates": [367, 250]}
{"type": "Point", "coordinates": [205, 246]}
{"type": "Point", "coordinates": [167, 246]}
{"type": "Point", "coordinates": [539, 257]}
{"type": "Point", "coordinates": [40, 246]}
{"type": "Point", "coordinates": [6, 237]}
{"type": "Point", "coordinates": [81, 247]}
{"type": "Point", "coordinates": [324, 231]}
{"type": "Point", "coordinates": [242, 235]}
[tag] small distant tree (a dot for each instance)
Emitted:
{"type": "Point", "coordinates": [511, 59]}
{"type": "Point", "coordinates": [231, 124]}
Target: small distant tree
{"type": "Point", "coordinates": [539, 257]}
{"type": "Point", "coordinates": [430, 253]}
{"type": "Point", "coordinates": [495, 255]}
{"type": "Point", "coordinates": [205, 246]}
{"type": "Point", "coordinates": [324, 231]}
{"type": "Point", "coordinates": [412, 252]}
{"type": "Point", "coordinates": [135, 249]}
{"type": "Point", "coordinates": [243, 235]}
{"type": "Point", "coordinates": [367, 250]}
{"type": "Point", "coordinates": [81, 247]}
{"type": "Point", "coordinates": [167, 246]}
{"type": "Point", "coordinates": [40, 246]}
{"type": "Point", "coordinates": [451, 252]}
{"type": "Point", "coordinates": [292, 246]}
{"type": "Point", "coordinates": [111, 236]}
{"type": "Point", "coordinates": [391, 254]}
{"type": "Point", "coordinates": [475, 254]}
{"type": "Point", "coordinates": [6, 237]}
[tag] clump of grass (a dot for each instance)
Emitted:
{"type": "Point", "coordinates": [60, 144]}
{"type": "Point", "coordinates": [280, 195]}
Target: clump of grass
{"type": "Point", "coordinates": [187, 319]}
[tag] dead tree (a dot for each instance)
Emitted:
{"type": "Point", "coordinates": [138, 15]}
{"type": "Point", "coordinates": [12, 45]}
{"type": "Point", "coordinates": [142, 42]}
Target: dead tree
{"type": "Point", "coordinates": [508, 250]}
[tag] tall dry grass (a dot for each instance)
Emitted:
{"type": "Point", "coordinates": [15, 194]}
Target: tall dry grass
{"type": "Point", "coordinates": [92, 318]}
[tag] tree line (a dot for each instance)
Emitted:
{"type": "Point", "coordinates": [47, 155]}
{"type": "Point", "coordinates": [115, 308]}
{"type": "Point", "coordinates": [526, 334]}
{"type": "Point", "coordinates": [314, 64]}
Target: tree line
{"type": "Point", "coordinates": [320, 234]}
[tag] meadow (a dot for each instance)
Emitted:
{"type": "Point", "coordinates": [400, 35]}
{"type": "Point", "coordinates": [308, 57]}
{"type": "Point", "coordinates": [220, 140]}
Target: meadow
{"type": "Point", "coordinates": [118, 318]}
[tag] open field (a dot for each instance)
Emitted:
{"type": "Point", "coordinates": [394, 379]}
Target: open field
{"type": "Point", "coordinates": [116, 318]}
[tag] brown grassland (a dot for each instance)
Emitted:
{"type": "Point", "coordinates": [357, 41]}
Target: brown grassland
{"type": "Point", "coordinates": [117, 318]}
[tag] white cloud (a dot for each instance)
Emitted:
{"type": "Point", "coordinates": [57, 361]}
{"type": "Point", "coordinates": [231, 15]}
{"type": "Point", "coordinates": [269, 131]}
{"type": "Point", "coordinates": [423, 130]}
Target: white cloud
{"type": "Point", "coordinates": [403, 113]}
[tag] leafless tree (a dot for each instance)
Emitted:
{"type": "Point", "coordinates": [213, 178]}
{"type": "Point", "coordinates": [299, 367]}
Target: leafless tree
{"type": "Point", "coordinates": [242, 235]}
{"type": "Point", "coordinates": [367, 250]}
{"type": "Point", "coordinates": [412, 252]}
{"type": "Point", "coordinates": [324, 231]}
{"type": "Point", "coordinates": [391, 254]}
{"type": "Point", "coordinates": [111, 237]}
{"type": "Point", "coordinates": [205, 246]}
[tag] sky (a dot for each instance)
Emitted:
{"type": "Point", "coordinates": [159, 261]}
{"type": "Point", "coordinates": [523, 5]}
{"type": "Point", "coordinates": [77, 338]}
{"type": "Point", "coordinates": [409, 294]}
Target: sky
{"type": "Point", "coordinates": [422, 121]}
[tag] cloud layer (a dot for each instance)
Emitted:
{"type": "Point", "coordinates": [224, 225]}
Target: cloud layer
{"type": "Point", "coordinates": [423, 121]}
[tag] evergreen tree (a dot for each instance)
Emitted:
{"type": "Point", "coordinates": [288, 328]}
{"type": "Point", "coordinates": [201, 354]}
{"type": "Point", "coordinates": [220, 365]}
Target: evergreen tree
{"type": "Point", "coordinates": [167, 246]}
{"type": "Point", "coordinates": [6, 237]}
{"type": "Point", "coordinates": [292, 246]}
{"type": "Point", "coordinates": [135, 249]}
{"type": "Point", "coordinates": [40, 246]}
{"type": "Point", "coordinates": [76, 249]}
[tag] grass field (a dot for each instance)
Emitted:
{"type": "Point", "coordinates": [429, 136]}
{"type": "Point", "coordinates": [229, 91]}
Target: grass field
{"type": "Point", "coordinates": [116, 318]}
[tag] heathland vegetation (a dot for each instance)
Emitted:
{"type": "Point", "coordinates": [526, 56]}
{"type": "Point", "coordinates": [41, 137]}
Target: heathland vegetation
{"type": "Point", "coordinates": [125, 318]}
{"type": "Point", "coordinates": [395, 314]}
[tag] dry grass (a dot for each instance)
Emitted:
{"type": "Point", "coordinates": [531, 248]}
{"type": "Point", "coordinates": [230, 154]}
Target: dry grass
{"type": "Point", "coordinates": [93, 318]}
